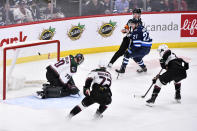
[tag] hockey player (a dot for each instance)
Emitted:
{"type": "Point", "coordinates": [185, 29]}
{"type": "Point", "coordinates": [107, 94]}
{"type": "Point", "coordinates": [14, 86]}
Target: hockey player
{"type": "Point", "coordinates": [59, 76]}
{"type": "Point", "coordinates": [138, 48]}
{"type": "Point", "coordinates": [175, 71]}
{"type": "Point", "coordinates": [100, 92]}
{"type": "Point", "coordinates": [126, 40]}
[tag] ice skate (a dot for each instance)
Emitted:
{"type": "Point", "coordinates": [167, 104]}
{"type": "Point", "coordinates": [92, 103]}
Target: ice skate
{"type": "Point", "coordinates": [98, 116]}
{"type": "Point", "coordinates": [150, 102]}
{"type": "Point", "coordinates": [121, 70]}
{"type": "Point", "coordinates": [178, 97]}
{"type": "Point", "coordinates": [144, 69]}
{"type": "Point", "coordinates": [40, 94]}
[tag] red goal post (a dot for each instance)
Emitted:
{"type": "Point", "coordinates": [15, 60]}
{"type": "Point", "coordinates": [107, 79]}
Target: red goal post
{"type": "Point", "coordinates": [23, 45]}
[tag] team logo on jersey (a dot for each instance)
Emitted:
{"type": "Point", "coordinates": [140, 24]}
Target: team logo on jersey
{"type": "Point", "coordinates": [47, 34]}
{"type": "Point", "coordinates": [76, 31]}
{"type": "Point", "coordinates": [189, 25]}
{"type": "Point", "coordinates": [107, 29]}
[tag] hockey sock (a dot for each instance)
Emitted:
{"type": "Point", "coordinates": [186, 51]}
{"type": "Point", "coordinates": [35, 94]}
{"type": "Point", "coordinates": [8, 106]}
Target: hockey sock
{"type": "Point", "coordinates": [156, 91]}
{"type": "Point", "coordinates": [177, 87]}
{"type": "Point", "coordinates": [101, 109]}
{"type": "Point", "coordinates": [177, 91]}
{"type": "Point", "coordinates": [141, 64]}
{"type": "Point", "coordinates": [125, 62]}
{"type": "Point", "coordinates": [77, 109]}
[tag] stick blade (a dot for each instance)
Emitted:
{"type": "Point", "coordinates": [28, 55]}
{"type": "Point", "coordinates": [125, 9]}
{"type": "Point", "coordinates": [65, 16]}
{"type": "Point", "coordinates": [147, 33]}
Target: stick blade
{"type": "Point", "coordinates": [138, 96]}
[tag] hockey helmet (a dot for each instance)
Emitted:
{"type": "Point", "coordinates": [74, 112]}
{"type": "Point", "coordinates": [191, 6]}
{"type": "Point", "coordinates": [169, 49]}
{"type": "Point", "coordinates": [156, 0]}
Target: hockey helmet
{"type": "Point", "coordinates": [134, 20]}
{"type": "Point", "coordinates": [138, 11]}
{"type": "Point", "coordinates": [102, 64]}
{"type": "Point", "coordinates": [161, 49]}
{"type": "Point", "coordinates": [80, 58]}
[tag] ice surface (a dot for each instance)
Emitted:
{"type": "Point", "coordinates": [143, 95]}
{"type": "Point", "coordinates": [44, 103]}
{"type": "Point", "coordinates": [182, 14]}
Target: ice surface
{"type": "Point", "coordinates": [23, 112]}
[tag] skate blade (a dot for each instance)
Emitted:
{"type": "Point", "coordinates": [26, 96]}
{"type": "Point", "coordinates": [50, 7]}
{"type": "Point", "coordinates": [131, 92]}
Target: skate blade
{"type": "Point", "coordinates": [149, 104]}
{"type": "Point", "coordinates": [97, 118]}
{"type": "Point", "coordinates": [178, 101]}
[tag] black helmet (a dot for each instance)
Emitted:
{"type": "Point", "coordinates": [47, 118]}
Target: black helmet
{"type": "Point", "coordinates": [137, 11]}
{"type": "Point", "coordinates": [79, 58]}
{"type": "Point", "coordinates": [134, 20]}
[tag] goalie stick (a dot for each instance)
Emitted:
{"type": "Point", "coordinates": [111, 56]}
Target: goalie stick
{"type": "Point", "coordinates": [143, 96]}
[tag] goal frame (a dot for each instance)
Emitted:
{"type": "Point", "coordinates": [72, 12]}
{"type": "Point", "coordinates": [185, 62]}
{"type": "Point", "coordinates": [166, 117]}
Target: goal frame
{"type": "Point", "coordinates": [17, 46]}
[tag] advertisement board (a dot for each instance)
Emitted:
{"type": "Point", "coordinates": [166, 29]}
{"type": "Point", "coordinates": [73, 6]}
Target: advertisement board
{"type": "Point", "coordinates": [104, 32]}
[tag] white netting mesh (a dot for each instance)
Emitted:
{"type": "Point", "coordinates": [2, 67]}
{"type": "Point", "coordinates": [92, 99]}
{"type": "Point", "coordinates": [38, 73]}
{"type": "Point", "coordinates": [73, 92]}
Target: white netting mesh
{"type": "Point", "coordinates": [22, 69]}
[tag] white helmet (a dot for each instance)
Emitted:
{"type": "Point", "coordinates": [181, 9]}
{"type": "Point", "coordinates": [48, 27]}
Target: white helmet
{"type": "Point", "coordinates": [161, 49]}
{"type": "Point", "coordinates": [102, 64]}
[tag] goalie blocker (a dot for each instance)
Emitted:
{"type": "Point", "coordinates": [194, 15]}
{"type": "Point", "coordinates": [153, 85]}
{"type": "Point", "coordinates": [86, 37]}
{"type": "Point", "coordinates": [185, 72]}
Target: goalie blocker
{"type": "Point", "coordinates": [59, 76]}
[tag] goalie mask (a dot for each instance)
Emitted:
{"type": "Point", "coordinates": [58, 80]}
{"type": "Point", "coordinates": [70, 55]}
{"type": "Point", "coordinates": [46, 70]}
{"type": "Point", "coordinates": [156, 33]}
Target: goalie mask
{"type": "Point", "coordinates": [79, 58]}
{"type": "Point", "coordinates": [161, 49]}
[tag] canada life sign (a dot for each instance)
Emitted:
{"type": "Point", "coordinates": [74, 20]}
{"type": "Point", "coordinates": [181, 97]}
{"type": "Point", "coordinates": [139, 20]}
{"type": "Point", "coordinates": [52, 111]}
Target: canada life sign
{"type": "Point", "coordinates": [189, 25]}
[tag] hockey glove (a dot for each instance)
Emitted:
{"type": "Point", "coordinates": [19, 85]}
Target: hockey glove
{"type": "Point", "coordinates": [86, 91]}
{"type": "Point", "coordinates": [155, 79]}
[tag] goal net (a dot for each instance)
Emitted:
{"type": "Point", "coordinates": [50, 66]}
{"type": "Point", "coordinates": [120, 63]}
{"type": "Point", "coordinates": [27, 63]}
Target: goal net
{"type": "Point", "coordinates": [21, 65]}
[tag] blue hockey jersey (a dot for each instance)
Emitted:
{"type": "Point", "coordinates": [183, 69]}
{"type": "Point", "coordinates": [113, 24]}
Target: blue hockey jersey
{"type": "Point", "coordinates": [140, 38]}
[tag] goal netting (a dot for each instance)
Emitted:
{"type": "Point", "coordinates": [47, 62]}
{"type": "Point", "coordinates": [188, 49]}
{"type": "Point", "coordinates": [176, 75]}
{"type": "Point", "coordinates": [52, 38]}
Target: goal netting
{"type": "Point", "coordinates": [23, 64]}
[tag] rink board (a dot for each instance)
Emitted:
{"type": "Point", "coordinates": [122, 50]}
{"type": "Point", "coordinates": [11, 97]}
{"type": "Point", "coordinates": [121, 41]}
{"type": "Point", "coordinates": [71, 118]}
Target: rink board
{"type": "Point", "coordinates": [92, 34]}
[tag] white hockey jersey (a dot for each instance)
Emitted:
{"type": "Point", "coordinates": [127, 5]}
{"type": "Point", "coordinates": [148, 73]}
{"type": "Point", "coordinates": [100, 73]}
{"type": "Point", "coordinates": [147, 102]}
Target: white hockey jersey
{"type": "Point", "coordinates": [100, 77]}
{"type": "Point", "coordinates": [66, 67]}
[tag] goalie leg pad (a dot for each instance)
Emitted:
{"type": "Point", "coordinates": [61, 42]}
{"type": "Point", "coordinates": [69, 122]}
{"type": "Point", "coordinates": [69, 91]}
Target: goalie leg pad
{"type": "Point", "coordinates": [55, 92]}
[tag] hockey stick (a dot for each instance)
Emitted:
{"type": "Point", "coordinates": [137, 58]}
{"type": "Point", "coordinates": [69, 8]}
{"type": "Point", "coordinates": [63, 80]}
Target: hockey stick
{"type": "Point", "coordinates": [117, 76]}
{"type": "Point", "coordinates": [137, 96]}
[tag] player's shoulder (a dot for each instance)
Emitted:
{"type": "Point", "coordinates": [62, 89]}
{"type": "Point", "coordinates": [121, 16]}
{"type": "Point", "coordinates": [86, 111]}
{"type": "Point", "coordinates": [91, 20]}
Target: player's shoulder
{"type": "Point", "coordinates": [166, 54]}
{"type": "Point", "coordinates": [141, 28]}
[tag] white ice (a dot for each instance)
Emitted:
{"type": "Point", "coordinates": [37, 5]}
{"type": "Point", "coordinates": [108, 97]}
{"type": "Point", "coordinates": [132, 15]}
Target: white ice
{"type": "Point", "coordinates": [22, 112]}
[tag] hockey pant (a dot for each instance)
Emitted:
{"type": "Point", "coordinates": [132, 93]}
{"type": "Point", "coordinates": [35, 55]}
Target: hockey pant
{"type": "Point", "coordinates": [103, 100]}
{"type": "Point", "coordinates": [137, 55]}
{"type": "Point", "coordinates": [124, 45]}
{"type": "Point", "coordinates": [57, 88]}
{"type": "Point", "coordinates": [172, 75]}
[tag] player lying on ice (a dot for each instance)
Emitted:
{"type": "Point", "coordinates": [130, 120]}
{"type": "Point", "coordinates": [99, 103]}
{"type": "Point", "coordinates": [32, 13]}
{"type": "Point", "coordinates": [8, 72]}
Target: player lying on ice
{"type": "Point", "coordinates": [100, 92]}
{"type": "Point", "coordinates": [59, 76]}
{"type": "Point", "coordinates": [139, 46]}
{"type": "Point", "coordinates": [175, 71]}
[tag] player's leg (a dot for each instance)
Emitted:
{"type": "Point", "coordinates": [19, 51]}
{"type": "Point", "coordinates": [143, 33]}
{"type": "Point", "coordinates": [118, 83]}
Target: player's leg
{"type": "Point", "coordinates": [71, 87]}
{"type": "Point", "coordinates": [177, 90]}
{"type": "Point", "coordinates": [52, 78]}
{"type": "Point", "coordinates": [99, 111]}
{"type": "Point", "coordinates": [162, 80]}
{"type": "Point", "coordinates": [138, 58]}
{"type": "Point", "coordinates": [140, 62]}
{"type": "Point", "coordinates": [125, 62]}
{"type": "Point", "coordinates": [104, 101]}
{"type": "Point", "coordinates": [124, 45]}
{"type": "Point", "coordinates": [87, 101]}
{"type": "Point", "coordinates": [178, 76]}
